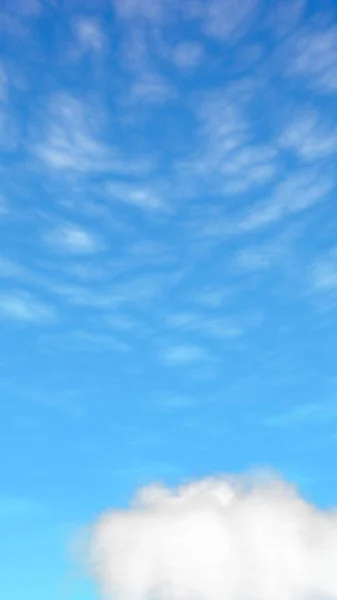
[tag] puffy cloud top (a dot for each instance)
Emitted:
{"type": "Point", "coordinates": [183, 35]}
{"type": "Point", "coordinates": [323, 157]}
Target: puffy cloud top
{"type": "Point", "coordinates": [224, 538]}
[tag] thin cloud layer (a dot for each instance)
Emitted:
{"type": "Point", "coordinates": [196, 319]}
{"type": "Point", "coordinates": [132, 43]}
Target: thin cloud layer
{"type": "Point", "coordinates": [229, 537]}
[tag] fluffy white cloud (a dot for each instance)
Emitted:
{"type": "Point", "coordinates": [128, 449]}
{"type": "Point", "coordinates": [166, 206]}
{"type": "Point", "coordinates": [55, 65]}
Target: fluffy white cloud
{"type": "Point", "coordinates": [226, 537]}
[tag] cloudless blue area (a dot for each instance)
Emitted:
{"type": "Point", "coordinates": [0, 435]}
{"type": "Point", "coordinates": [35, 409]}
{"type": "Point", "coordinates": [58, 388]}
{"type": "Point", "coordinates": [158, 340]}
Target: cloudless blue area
{"type": "Point", "coordinates": [168, 260]}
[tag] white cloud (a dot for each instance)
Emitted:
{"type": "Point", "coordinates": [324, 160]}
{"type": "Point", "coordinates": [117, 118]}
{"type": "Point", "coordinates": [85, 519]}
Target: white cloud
{"type": "Point", "coordinates": [295, 194]}
{"type": "Point", "coordinates": [4, 207]}
{"type": "Point", "coordinates": [95, 340]}
{"type": "Point", "coordinates": [85, 296]}
{"type": "Point", "coordinates": [8, 131]}
{"type": "Point", "coordinates": [27, 8]}
{"type": "Point", "coordinates": [204, 325]}
{"type": "Point", "coordinates": [285, 15]}
{"type": "Point", "coordinates": [122, 323]}
{"type": "Point", "coordinates": [74, 239]}
{"type": "Point", "coordinates": [152, 88]}
{"type": "Point", "coordinates": [314, 413]}
{"type": "Point", "coordinates": [225, 19]}
{"type": "Point", "coordinates": [140, 196]}
{"type": "Point", "coordinates": [278, 250]}
{"type": "Point", "coordinates": [221, 119]}
{"type": "Point", "coordinates": [313, 54]}
{"type": "Point", "coordinates": [248, 167]}
{"type": "Point", "coordinates": [138, 291]}
{"type": "Point", "coordinates": [309, 136]}
{"type": "Point", "coordinates": [21, 306]}
{"type": "Point", "coordinates": [3, 83]}
{"type": "Point", "coordinates": [69, 143]}
{"type": "Point", "coordinates": [73, 140]}
{"type": "Point", "coordinates": [152, 10]}
{"type": "Point", "coordinates": [89, 35]}
{"type": "Point", "coordinates": [212, 297]}
{"type": "Point", "coordinates": [184, 354]}
{"type": "Point", "coordinates": [324, 273]}
{"type": "Point", "coordinates": [229, 537]}
{"type": "Point", "coordinates": [226, 160]}
{"type": "Point", "coordinates": [10, 269]}
{"type": "Point", "coordinates": [151, 253]}
{"type": "Point", "coordinates": [169, 401]}
{"type": "Point", "coordinates": [187, 54]}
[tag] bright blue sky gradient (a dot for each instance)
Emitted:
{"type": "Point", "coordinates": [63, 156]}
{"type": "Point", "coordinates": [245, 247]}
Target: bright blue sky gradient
{"type": "Point", "coordinates": [168, 265]}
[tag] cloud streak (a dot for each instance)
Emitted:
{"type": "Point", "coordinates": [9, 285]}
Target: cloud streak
{"type": "Point", "coordinates": [21, 306]}
{"type": "Point", "coordinates": [74, 239]}
{"type": "Point", "coordinates": [230, 537]}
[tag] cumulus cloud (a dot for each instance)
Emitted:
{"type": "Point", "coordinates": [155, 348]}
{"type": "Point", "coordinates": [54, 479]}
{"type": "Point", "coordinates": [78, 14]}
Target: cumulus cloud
{"type": "Point", "coordinates": [229, 537]}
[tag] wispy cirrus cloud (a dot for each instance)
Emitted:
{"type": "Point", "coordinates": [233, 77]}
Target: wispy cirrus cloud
{"type": "Point", "coordinates": [224, 20]}
{"type": "Point", "coordinates": [73, 239]}
{"type": "Point", "coordinates": [89, 35]}
{"type": "Point", "coordinates": [24, 307]}
{"type": "Point", "coordinates": [226, 158]}
{"type": "Point", "coordinates": [91, 341]}
{"type": "Point", "coordinates": [309, 136]}
{"type": "Point", "coordinates": [221, 20]}
{"type": "Point", "coordinates": [313, 413]}
{"type": "Point", "coordinates": [184, 354]}
{"type": "Point", "coordinates": [205, 325]}
{"type": "Point", "coordinates": [286, 16]}
{"type": "Point", "coordinates": [140, 291]}
{"type": "Point", "coordinates": [312, 55]}
{"type": "Point", "coordinates": [8, 120]}
{"type": "Point", "coordinates": [10, 269]}
{"type": "Point", "coordinates": [298, 192]}
{"type": "Point", "coordinates": [131, 9]}
{"type": "Point", "coordinates": [323, 272]}
{"type": "Point", "coordinates": [141, 196]}
{"type": "Point", "coordinates": [277, 251]}
{"type": "Point", "coordinates": [72, 140]}
{"type": "Point", "coordinates": [4, 206]}
{"type": "Point", "coordinates": [152, 88]}
{"type": "Point", "coordinates": [3, 83]}
{"type": "Point", "coordinates": [26, 8]}
{"type": "Point", "coordinates": [187, 55]}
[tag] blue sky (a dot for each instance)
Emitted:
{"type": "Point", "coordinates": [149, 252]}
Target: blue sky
{"type": "Point", "coordinates": [168, 263]}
